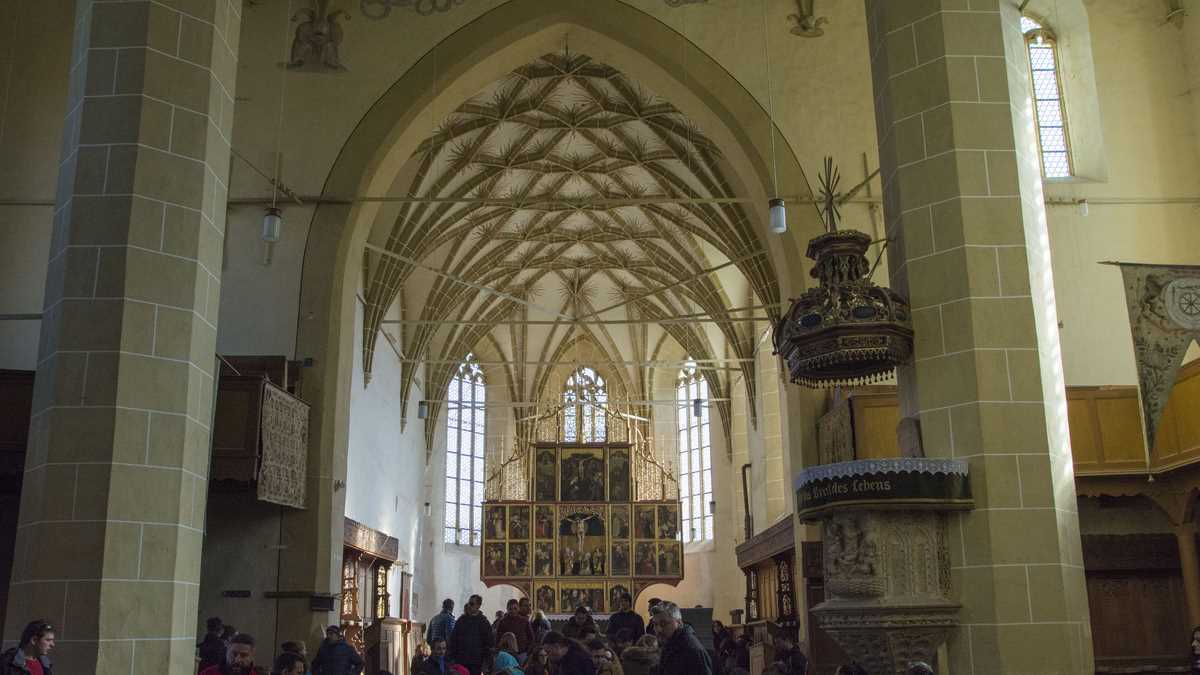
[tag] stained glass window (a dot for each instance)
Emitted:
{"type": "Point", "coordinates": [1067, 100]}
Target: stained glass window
{"type": "Point", "coordinates": [1049, 111]}
{"type": "Point", "coordinates": [695, 456]}
{"type": "Point", "coordinates": [466, 424]}
{"type": "Point", "coordinates": [584, 400]}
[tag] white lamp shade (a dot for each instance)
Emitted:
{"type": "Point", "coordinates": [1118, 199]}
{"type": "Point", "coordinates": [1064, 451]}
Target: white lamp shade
{"type": "Point", "coordinates": [778, 216]}
{"type": "Point", "coordinates": [272, 225]}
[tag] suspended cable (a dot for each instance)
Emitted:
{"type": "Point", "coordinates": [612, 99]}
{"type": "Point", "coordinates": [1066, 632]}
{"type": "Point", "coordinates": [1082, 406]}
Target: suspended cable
{"type": "Point", "coordinates": [776, 206]}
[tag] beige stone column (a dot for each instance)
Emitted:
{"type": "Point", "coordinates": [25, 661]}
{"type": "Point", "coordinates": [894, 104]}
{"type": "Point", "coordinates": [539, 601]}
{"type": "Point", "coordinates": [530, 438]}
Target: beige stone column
{"type": "Point", "coordinates": [1189, 564]}
{"type": "Point", "coordinates": [969, 248]}
{"type": "Point", "coordinates": [112, 508]}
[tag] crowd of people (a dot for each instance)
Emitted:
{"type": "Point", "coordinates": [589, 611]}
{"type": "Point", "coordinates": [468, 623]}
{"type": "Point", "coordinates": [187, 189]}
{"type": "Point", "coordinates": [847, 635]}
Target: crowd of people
{"type": "Point", "coordinates": [226, 651]}
{"type": "Point", "coordinates": [518, 642]}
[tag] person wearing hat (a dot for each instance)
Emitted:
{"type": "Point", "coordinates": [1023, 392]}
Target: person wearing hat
{"type": "Point", "coordinates": [336, 656]}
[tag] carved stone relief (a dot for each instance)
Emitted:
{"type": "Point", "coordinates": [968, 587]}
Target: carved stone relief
{"type": "Point", "coordinates": [808, 24]}
{"type": "Point", "coordinates": [318, 38]}
{"type": "Point", "coordinates": [887, 579]}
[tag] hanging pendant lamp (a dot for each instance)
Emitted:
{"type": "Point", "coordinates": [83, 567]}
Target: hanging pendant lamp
{"type": "Point", "coordinates": [847, 330]}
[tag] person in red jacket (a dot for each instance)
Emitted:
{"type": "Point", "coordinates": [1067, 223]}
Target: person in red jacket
{"type": "Point", "coordinates": [516, 623]}
{"type": "Point", "coordinates": [239, 659]}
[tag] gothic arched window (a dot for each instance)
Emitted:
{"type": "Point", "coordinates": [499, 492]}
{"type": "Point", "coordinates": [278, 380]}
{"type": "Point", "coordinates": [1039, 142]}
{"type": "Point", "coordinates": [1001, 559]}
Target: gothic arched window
{"type": "Point", "coordinates": [584, 400]}
{"type": "Point", "coordinates": [465, 429]}
{"type": "Point", "coordinates": [695, 455]}
{"type": "Point", "coordinates": [1049, 109]}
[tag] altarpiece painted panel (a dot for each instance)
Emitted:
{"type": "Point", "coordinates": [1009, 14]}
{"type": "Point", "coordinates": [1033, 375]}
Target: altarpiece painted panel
{"type": "Point", "coordinates": [585, 538]}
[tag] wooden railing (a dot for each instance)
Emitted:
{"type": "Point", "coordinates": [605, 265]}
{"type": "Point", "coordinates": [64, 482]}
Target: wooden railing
{"type": "Point", "coordinates": [1105, 424]}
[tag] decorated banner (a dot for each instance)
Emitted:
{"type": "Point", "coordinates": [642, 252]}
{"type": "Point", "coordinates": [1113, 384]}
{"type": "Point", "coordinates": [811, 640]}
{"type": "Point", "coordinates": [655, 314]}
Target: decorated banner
{"type": "Point", "coordinates": [282, 469]}
{"type": "Point", "coordinates": [1164, 317]}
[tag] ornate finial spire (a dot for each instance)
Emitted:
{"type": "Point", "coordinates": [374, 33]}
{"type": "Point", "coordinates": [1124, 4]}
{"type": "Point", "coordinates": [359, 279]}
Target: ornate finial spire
{"type": "Point", "coordinates": [829, 183]}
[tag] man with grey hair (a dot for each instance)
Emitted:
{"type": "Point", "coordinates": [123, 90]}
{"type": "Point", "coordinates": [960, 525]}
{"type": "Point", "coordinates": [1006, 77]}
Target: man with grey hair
{"type": "Point", "coordinates": [682, 653]}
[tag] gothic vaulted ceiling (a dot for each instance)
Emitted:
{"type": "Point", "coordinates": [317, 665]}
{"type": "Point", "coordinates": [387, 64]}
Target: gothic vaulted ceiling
{"type": "Point", "coordinates": [567, 192]}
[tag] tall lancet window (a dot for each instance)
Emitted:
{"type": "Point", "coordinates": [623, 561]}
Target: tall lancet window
{"type": "Point", "coordinates": [695, 455]}
{"type": "Point", "coordinates": [465, 428]}
{"type": "Point", "coordinates": [584, 400]}
{"type": "Point", "coordinates": [1049, 111]}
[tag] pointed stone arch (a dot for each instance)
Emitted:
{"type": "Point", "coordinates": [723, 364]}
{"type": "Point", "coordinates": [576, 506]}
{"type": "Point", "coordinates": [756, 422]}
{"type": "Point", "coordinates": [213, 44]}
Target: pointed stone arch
{"type": "Point", "coordinates": [370, 162]}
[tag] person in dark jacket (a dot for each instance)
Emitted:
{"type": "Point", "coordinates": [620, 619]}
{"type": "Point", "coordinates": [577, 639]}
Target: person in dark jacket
{"type": "Point", "coordinates": [31, 656]}
{"type": "Point", "coordinates": [437, 663]}
{"type": "Point", "coordinates": [682, 653]}
{"type": "Point", "coordinates": [581, 626]}
{"type": "Point", "coordinates": [442, 625]}
{"type": "Point", "coordinates": [472, 640]}
{"type": "Point", "coordinates": [516, 623]}
{"type": "Point", "coordinates": [239, 658]}
{"type": "Point", "coordinates": [289, 663]}
{"type": "Point", "coordinates": [790, 659]}
{"type": "Point", "coordinates": [211, 649]}
{"type": "Point", "coordinates": [336, 656]}
{"type": "Point", "coordinates": [625, 617]}
{"type": "Point", "coordinates": [568, 656]}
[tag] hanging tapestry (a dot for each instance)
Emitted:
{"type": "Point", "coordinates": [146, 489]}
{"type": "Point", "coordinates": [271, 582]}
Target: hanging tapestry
{"type": "Point", "coordinates": [282, 470]}
{"type": "Point", "coordinates": [1164, 317]}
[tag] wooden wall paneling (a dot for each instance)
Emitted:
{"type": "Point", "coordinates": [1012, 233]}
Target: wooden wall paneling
{"type": "Point", "coordinates": [876, 415]}
{"type": "Point", "coordinates": [1084, 429]}
{"type": "Point", "coordinates": [235, 431]}
{"type": "Point", "coordinates": [1138, 616]}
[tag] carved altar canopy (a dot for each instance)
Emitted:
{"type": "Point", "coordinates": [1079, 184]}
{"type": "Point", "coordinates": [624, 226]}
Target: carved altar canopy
{"type": "Point", "coordinates": [1164, 317]}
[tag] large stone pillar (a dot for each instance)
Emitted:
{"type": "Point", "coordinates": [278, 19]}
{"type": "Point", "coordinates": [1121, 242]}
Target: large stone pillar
{"type": "Point", "coordinates": [112, 507]}
{"type": "Point", "coordinates": [968, 246]}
